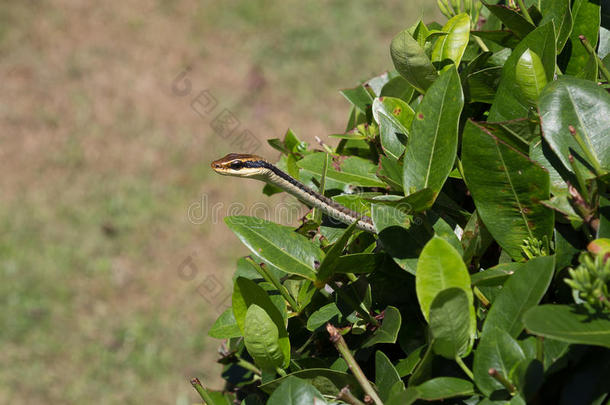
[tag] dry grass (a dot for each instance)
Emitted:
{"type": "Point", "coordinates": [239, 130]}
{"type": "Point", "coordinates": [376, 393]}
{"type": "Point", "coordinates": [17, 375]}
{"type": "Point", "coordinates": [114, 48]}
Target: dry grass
{"type": "Point", "coordinates": [100, 161]}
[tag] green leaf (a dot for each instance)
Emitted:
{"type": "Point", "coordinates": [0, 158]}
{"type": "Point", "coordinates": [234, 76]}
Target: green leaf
{"type": "Point", "coordinates": [433, 140]}
{"type": "Point", "coordinates": [559, 12]}
{"type": "Point", "coordinates": [225, 326]}
{"type": "Point", "coordinates": [450, 323]}
{"type": "Point", "coordinates": [247, 293]}
{"type": "Point", "coordinates": [482, 84]}
{"type": "Point", "coordinates": [586, 21]}
{"type": "Point", "coordinates": [354, 171]}
{"type": "Point", "coordinates": [385, 375]}
{"type": "Point", "coordinates": [450, 48]}
{"type": "Point", "coordinates": [411, 61]}
{"type": "Point", "coordinates": [496, 275]}
{"type": "Point", "coordinates": [408, 364]}
{"type": "Point", "coordinates": [568, 324]}
{"type": "Point", "coordinates": [497, 350]}
{"type": "Point", "coordinates": [541, 153]}
{"type": "Point", "coordinates": [398, 87]}
{"type": "Point", "coordinates": [327, 267]}
{"type": "Point", "coordinates": [440, 266]}
{"type": "Point", "coordinates": [358, 263]}
{"type": "Point", "coordinates": [507, 189]}
{"type": "Point", "coordinates": [586, 107]}
{"type": "Point", "coordinates": [508, 103]}
{"type": "Point", "coordinates": [504, 38]}
{"type": "Point", "coordinates": [513, 20]}
{"type": "Point", "coordinates": [390, 171]}
{"type": "Point", "coordinates": [322, 316]}
{"type": "Point", "coordinates": [414, 203]}
{"type": "Point", "coordinates": [278, 246]}
{"type": "Point", "coordinates": [522, 290]}
{"type": "Point", "coordinates": [394, 117]}
{"type": "Point", "coordinates": [328, 382]}
{"type": "Point", "coordinates": [444, 387]}
{"type": "Point", "coordinates": [294, 391]}
{"type": "Point", "coordinates": [261, 338]}
{"type": "Point", "coordinates": [359, 97]}
{"type": "Point", "coordinates": [400, 236]}
{"type": "Point", "coordinates": [475, 239]}
{"type": "Point", "coordinates": [388, 332]}
{"type": "Point", "coordinates": [530, 76]}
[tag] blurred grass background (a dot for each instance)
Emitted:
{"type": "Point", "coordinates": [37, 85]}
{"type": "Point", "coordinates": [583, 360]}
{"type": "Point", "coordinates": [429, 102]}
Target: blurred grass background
{"type": "Point", "coordinates": [100, 162]}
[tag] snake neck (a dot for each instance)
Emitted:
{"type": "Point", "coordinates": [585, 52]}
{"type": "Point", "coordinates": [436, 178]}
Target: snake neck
{"type": "Point", "coordinates": [277, 177]}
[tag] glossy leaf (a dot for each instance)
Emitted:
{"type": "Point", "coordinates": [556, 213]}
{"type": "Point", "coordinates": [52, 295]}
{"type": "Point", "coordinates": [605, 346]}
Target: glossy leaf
{"type": "Point", "coordinates": [507, 189]}
{"type": "Point", "coordinates": [294, 391]}
{"type": "Point", "coordinates": [523, 290]}
{"type": "Point", "coordinates": [328, 382]}
{"type": "Point", "coordinates": [450, 323]}
{"type": "Point", "coordinates": [432, 143]}
{"type": "Point", "coordinates": [261, 338]}
{"type": "Point", "coordinates": [497, 350]}
{"type": "Point", "coordinates": [359, 97]}
{"type": "Point", "coordinates": [586, 107]}
{"type": "Point", "coordinates": [509, 103]}
{"type": "Point", "coordinates": [247, 293]}
{"type": "Point", "coordinates": [530, 76]}
{"type": "Point", "coordinates": [408, 364]}
{"type": "Point", "coordinates": [390, 171]}
{"type": "Point", "coordinates": [225, 326]}
{"type": "Point", "coordinates": [278, 246]}
{"type": "Point", "coordinates": [559, 12]}
{"type": "Point", "coordinates": [353, 171]}
{"type": "Point", "coordinates": [388, 331]}
{"type": "Point", "coordinates": [568, 324]}
{"type": "Point", "coordinates": [398, 87]}
{"type": "Point", "coordinates": [496, 275]}
{"type": "Point", "coordinates": [385, 375]}
{"type": "Point", "coordinates": [394, 117]}
{"type": "Point", "coordinates": [322, 316]}
{"type": "Point", "coordinates": [327, 266]}
{"type": "Point", "coordinates": [440, 266]}
{"type": "Point", "coordinates": [358, 263]}
{"type": "Point", "coordinates": [512, 19]}
{"type": "Point", "coordinates": [450, 48]}
{"type": "Point", "coordinates": [400, 235]}
{"type": "Point", "coordinates": [411, 61]}
{"type": "Point", "coordinates": [440, 388]}
{"type": "Point", "coordinates": [586, 21]}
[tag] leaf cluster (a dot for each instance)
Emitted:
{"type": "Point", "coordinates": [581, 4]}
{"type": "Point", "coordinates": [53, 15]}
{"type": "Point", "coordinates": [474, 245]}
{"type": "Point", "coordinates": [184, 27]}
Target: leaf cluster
{"type": "Point", "coordinates": [483, 161]}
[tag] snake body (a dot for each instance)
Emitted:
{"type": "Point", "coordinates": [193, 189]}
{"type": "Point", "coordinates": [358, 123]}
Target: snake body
{"type": "Point", "coordinates": [252, 166]}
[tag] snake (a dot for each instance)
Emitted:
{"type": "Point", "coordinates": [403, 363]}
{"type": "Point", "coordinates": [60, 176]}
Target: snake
{"type": "Point", "coordinates": [256, 167]}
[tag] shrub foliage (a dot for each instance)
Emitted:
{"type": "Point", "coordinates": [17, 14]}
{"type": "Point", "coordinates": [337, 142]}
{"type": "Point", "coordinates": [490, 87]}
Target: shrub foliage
{"type": "Point", "coordinates": [483, 162]}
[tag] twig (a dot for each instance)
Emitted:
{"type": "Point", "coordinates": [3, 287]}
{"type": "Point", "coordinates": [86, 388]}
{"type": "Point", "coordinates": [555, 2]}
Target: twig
{"type": "Point", "coordinates": [526, 13]}
{"type": "Point", "coordinates": [341, 346]}
{"type": "Point", "coordinates": [464, 367]}
{"type": "Point", "coordinates": [248, 366]}
{"type": "Point", "coordinates": [481, 297]}
{"type": "Point", "coordinates": [346, 395]}
{"type": "Point", "coordinates": [202, 391]}
{"type": "Point", "coordinates": [358, 307]}
{"type": "Point", "coordinates": [600, 63]}
{"type": "Point", "coordinates": [273, 280]}
{"type": "Point", "coordinates": [502, 380]}
{"type": "Point", "coordinates": [592, 158]}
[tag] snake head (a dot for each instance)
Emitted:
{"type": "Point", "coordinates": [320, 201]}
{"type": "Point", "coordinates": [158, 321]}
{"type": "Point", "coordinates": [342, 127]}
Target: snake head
{"type": "Point", "coordinates": [240, 165]}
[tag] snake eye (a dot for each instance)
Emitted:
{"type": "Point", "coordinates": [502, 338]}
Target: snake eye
{"type": "Point", "coordinates": [236, 165]}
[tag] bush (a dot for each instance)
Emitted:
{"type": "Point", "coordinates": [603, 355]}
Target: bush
{"type": "Point", "coordinates": [483, 163]}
